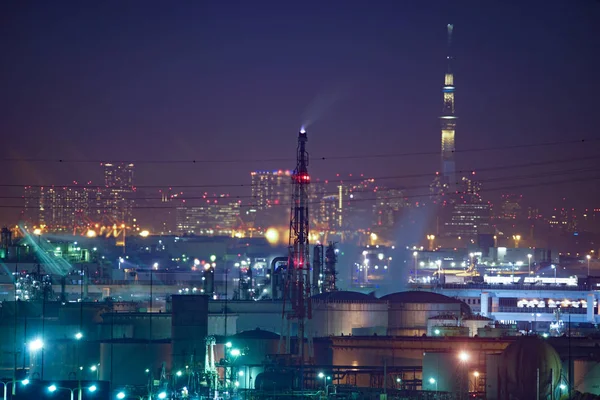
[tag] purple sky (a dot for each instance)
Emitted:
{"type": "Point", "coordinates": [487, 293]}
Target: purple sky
{"type": "Point", "coordinates": [235, 79]}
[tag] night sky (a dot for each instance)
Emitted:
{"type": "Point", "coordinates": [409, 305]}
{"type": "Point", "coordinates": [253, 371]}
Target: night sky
{"type": "Point", "coordinates": [210, 80]}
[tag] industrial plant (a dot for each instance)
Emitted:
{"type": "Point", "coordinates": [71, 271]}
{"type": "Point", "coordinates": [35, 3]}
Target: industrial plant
{"type": "Point", "coordinates": [221, 305]}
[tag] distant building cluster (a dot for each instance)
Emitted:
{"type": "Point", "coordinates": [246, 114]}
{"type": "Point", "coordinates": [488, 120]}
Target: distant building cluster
{"type": "Point", "coordinates": [70, 208]}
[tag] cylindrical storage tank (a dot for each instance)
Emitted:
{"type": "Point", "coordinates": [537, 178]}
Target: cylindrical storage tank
{"type": "Point", "coordinates": [445, 372]}
{"type": "Point", "coordinates": [586, 376]}
{"type": "Point", "coordinates": [409, 311]}
{"type": "Point", "coordinates": [257, 344]}
{"type": "Point", "coordinates": [189, 324]}
{"type": "Point", "coordinates": [129, 359]}
{"type": "Point", "coordinates": [434, 324]}
{"type": "Point", "coordinates": [345, 313]}
{"type": "Point", "coordinates": [525, 365]}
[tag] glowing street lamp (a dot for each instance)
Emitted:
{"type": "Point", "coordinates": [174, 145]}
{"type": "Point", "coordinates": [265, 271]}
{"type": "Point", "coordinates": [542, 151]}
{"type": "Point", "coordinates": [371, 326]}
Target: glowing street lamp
{"type": "Point", "coordinates": [588, 260]}
{"type": "Point", "coordinates": [517, 239]}
{"type": "Point", "coordinates": [554, 268]}
{"type": "Point", "coordinates": [529, 260]}
{"type": "Point", "coordinates": [431, 238]}
{"type": "Point", "coordinates": [36, 344]}
{"type": "Point", "coordinates": [463, 356]}
{"type": "Point", "coordinates": [162, 395]}
{"type": "Point", "coordinates": [121, 395]}
{"type": "Point", "coordinates": [416, 254]}
{"type": "Point", "coordinates": [432, 381]}
{"type": "Point", "coordinates": [78, 335]}
{"type": "Point", "coordinates": [54, 388]}
{"type": "Point", "coordinates": [322, 376]}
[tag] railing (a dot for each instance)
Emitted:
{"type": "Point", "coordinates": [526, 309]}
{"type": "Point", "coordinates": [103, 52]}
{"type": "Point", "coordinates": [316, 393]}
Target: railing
{"type": "Point", "coordinates": [513, 287]}
{"type": "Point", "coordinates": [542, 310]}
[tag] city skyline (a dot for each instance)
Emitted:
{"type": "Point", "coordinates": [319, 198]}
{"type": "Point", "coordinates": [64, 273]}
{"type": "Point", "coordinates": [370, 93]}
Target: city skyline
{"type": "Point", "coordinates": [386, 105]}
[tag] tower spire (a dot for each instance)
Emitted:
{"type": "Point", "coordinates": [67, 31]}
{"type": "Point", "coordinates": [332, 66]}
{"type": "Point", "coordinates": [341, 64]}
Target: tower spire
{"type": "Point", "coordinates": [448, 122]}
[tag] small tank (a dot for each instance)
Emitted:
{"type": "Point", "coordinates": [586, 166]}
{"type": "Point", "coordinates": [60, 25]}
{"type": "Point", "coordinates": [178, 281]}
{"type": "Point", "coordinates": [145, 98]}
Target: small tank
{"type": "Point", "coordinates": [520, 365]}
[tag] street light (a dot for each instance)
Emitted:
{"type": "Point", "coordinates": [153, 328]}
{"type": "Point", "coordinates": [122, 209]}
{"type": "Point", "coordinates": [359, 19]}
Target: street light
{"type": "Point", "coordinates": [120, 395]}
{"type": "Point", "coordinates": [463, 356]}
{"type": "Point", "coordinates": [94, 368]}
{"type": "Point", "coordinates": [235, 352]}
{"type": "Point", "coordinates": [78, 335]}
{"type": "Point", "coordinates": [433, 382]}
{"type": "Point", "coordinates": [162, 395]}
{"type": "Point", "coordinates": [92, 388]}
{"type": "Point", "coordinates": [529, 260]}
{"type": "Point", "coordinates": [476, 375]}
{"type": "Point", "coordinates": [416, 254]}
{"type": "Point", "coordinates": [54, 388]}
{"type": "Point", "coordinates": [588, 260]}
{"type": "Point", "coordinates": [322, 376]}
{"type": "Point", "coordinates": [431, 238]}
{"type": "Point", "coordinates": [36, 344]}
{"type": "Point", "coordinates": [5, 384]}
{"type": "Point", "coordinates": [516, 238]}
{"type": "Point", "coordinates": [554, 268]}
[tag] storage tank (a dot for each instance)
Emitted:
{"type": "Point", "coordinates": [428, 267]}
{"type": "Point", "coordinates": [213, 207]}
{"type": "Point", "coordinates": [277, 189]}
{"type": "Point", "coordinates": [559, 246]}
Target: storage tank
{"type": "Point", "coordinates": [436, 324]}
{"type": "Point", "coordinates": [409, 311]}
{"type": "Point", "coordinates": [344, 313]}
{"type": "Point", "coordinates": [257, 344]}
{"type": "Point", "coordinates": [525, 364]}
{"type": "Point", "coordinates": [131, 358]}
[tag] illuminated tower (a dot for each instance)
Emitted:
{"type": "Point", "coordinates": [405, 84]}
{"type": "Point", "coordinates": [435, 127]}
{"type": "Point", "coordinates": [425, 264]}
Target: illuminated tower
{"type": "Point", "coordinates": [298, 287]}
{"type": "Point", "coordinates": [448, 124]}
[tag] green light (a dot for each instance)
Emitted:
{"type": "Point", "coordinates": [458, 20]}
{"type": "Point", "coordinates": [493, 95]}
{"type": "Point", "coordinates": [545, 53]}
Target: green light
{"type": "Point", "coordinates": [213, 258]}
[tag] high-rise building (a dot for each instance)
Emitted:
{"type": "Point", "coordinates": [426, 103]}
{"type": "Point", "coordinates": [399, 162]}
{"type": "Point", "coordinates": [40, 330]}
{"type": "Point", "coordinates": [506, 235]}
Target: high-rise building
{"type": "Point", "coordinates": [216, 217]}
{"type": "Point", "coordinates": [60, 209]}
{"type": "Point", "coordinates": [118, 175]}
{"type": "Point", "coordinates": [271, 197]}
{"type": "Point", "coordinates": [448, 122]}
{"type": "Point", "coordinates": [465, 214]}
{"type": "Point", "coordinates": [388, 206]}
{"type": "Point", "coordinates": [271, 188]}
{"type": "Point", "coordinates": [118, 194]}
{"type": "Point", "coordinates": [510, 207]}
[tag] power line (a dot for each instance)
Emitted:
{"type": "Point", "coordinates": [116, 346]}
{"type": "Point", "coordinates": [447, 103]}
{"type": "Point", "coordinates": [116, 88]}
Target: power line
{"type": "Point", "coordinates": [286, 159]}
{"type": "Point", "coordinates": [354, 200]}
{"type": "Point", "coordinates": [325, 194]}
{"type": "Point", "coordinates": [360, 179]}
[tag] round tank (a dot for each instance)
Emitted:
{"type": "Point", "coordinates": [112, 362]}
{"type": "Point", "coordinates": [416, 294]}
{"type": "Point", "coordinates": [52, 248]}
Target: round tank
{"type": "Point", "coordinates": [348, 313]}
{"type": "Point", "coordinates": [409, 311]}
{"type": "Point", "coordinates": [522, 362]}
{"type": "Point", "coordinates": [131, 358]}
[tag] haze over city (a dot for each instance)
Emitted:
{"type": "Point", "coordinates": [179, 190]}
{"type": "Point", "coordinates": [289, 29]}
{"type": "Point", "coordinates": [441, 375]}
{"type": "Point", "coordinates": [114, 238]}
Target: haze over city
{"type": "Point", "coordinates": [235, 81]}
